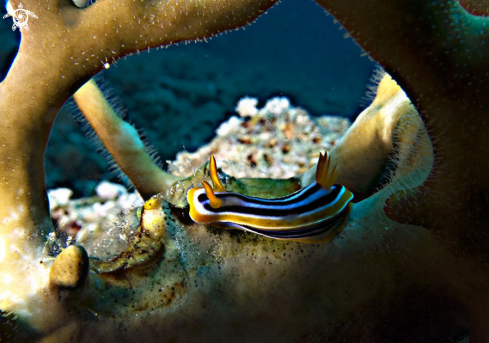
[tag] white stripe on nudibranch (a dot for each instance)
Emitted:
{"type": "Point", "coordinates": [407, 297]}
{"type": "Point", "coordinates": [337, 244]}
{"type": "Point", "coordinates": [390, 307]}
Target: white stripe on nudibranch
{"type": "Point", "coordinates": [313, 214]}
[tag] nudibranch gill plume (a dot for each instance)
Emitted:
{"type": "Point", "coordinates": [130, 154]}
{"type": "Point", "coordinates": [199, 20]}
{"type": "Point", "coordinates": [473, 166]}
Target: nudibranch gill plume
{"type": "Point", "coordinates": [313, 214]}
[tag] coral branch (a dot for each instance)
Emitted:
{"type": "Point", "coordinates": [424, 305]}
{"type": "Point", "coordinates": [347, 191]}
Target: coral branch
{"type": "Point", "coordinates": [437, 52]}
{"type": "Point", "coordinates": [123, 142]}
{"type": "Point", "coordinates": [63, 48]}
{"type": "Point", "coordinates": [364, 152]}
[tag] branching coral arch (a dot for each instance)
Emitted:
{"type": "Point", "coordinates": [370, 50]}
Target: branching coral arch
{"type": "Point", "coordinates": [437, 52]}
{"type": "Point", "coordinates": [433, 254]}
{"type": "Point", "coordinates": [64, 47]}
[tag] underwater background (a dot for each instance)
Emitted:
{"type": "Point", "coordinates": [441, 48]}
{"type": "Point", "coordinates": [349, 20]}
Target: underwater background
{"type": "Point", "coordinates": [178, 96]}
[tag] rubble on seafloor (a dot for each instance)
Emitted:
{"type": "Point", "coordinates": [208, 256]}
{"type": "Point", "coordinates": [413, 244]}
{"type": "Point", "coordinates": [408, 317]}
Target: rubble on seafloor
{"type": "Point", "coordinates": [276, 141]}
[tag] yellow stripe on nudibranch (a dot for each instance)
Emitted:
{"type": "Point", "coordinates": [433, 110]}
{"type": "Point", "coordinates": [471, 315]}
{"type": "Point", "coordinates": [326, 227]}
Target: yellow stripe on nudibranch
{"type": "Point", "coordinates": [313, 214]}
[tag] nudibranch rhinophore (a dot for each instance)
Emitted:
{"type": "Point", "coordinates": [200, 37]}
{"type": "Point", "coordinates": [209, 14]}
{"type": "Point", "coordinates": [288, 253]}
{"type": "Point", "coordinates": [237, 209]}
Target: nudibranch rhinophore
{"type": "Point", "coordinates": [313, 214]}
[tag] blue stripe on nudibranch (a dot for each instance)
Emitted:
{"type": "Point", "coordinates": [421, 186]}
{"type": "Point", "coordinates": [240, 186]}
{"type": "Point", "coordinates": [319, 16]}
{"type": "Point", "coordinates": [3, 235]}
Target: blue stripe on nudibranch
{"type": "Point", "coordinates": [313, 214]}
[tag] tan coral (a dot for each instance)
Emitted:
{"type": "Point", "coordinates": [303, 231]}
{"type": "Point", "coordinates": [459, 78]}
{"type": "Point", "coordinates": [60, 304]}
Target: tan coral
{"type": "Point", "coordinates": [122, 142]}
{"type": "Point", "coordinates": [64, 48]}
{"type": "Point", "coordinates": [378, 280]}
{"type": "Point", "coordinates": [364, 152]}
{"type": "Point", "coordinates": [436, 51]}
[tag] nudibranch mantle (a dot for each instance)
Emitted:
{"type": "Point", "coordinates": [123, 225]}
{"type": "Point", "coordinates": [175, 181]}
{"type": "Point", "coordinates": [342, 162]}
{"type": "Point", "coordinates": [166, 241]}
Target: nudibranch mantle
{"type": "Point", "coordinates": [313, 214]}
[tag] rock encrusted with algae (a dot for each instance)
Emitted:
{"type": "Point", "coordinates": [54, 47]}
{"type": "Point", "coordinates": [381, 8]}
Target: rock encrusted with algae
{"type": "Point", "coordinates": [96, 222]}
{"type": "Point", "coordinates": [69, 270]}
{"type": "Point", "coordinates": [276, 141]}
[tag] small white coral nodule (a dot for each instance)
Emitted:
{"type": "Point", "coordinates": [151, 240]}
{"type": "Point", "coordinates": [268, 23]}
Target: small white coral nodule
{"type": "Point", "coordinates": [277, 105]}
{"type": "Point", "coordinates": [229, 127]}
{"type": "Point", "coordinates": [59, 197]}
{"type": "Point", "coordinates": [107, 190]}
{"type": "Point", "coordinates": [247, 107]}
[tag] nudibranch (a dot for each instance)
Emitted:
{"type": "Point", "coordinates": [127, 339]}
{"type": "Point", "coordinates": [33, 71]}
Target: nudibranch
{"type": "Point", "coordinates": [313, 214]}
